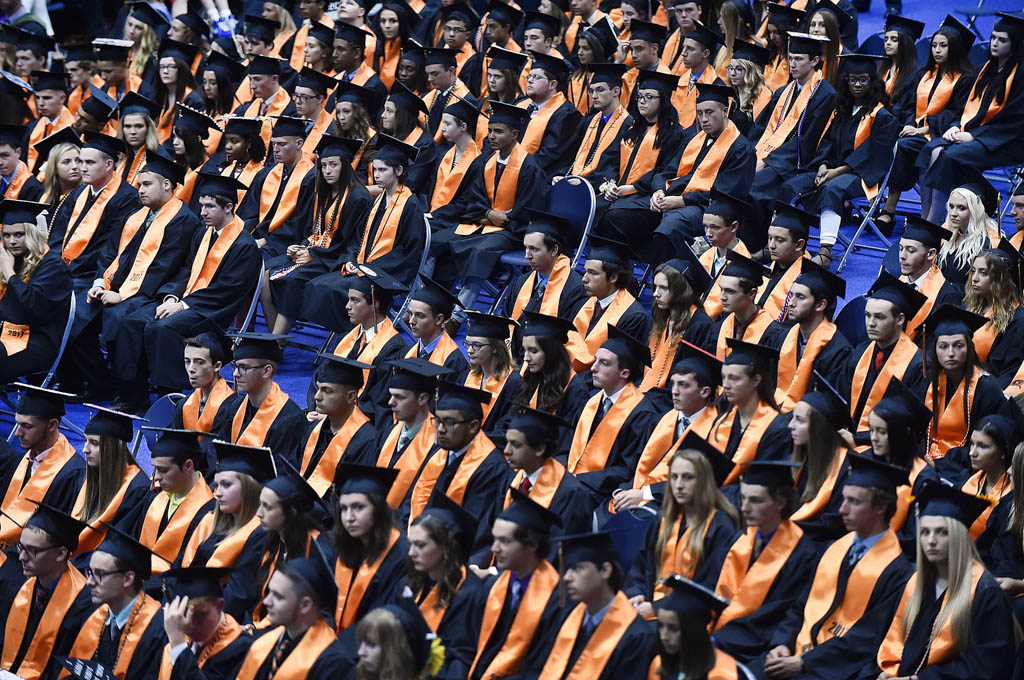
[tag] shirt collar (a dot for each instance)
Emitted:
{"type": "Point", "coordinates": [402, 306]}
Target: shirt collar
{"type": "Point", "coordinates": [121, 618]}
{"type": "Point", "coordinates": [615, 397]}
{"type": "Point", "coordinates": [429, 347]}
{"type": "Point", "coordinates": [534, 475]}
{"type": "Point", "coordinates": [411, 431]}
{"type": "Point", "coordinates": [598, 616]}
{"type": "Point", "coordinates": [523, 582]}
{"type": "Point", "coordinates": [606, 302]}
{"type": "Point", "coordinates": [919, 281]}
{"type": "Point", "coordinates": [692, 417]}
{"type": "Point", "coordinates": [870, 541]}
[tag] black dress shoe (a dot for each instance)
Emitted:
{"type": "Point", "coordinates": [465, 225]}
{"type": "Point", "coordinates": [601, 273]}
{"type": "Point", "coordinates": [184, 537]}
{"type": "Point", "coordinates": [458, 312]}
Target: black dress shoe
{"type": "Point", "coordinates": [135, 403]}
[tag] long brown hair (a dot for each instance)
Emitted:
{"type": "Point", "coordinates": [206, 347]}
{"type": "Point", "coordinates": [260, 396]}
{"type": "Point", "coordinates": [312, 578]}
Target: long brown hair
{"type": "Point", "coordinates": [678, 315]}
{"type": "Point", "coordinates": [396, 659]}
{"type": "Point", "coordinates": [549, 383]}
{"type": "Point", "coordinates": [103, 481]}
{"type": "Point", "coordinates": [225, 524]}
{"type": "Point", "coordinates": [351, 551]}
{"type": "Point", "coordinates": [819, 455]}
{"type": "Point", "coordinates": [1003, 299]}
{"type": "Point", "coordinates": [451, 561]}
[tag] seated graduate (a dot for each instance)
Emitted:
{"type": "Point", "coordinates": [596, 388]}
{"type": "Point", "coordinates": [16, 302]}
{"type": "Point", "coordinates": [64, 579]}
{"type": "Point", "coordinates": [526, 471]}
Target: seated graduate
{"type": "Point", "coordinates": [988, 476]}
{"type": "Point", "coordinates": [35, 284]}
{"type": "Point", "coordinates": [603, 636]}
{"type": "Point", "coordinates": [212, 400]}
{"type": "Point", "coordinates": [745, 72]}
{"type": "Point", "coordinates": [548, 383]}
{"type": "Point", "coordinates": [742, 319]}
{"type": "Point", "coordinates": [49, 92]}
{"type": "Point", "coordinates": [355, 108]}
{"type": "Point", "coordinates": [52, 604]}
{"type": "Point", "coordinates": [1004, 555]}
{"type": "Point", "coordinates": [887, 353]}
{"type": "Point", "coordinates": [552, 132]}
{"type": "Point", "coordinates": [769, 565]}
{"type": "Point", "coordinates": [721, 226]}
{"type": "Point", "coordinates": [838, 626]}
{"type": "Point", "coordinates": [678, 318]}
{"type": "Point", "coordinates": [465, 464]}
{"type": "Point", "coordinates": [350, 57]}
{"type": "Point", "coordinates": [54, 478]}
{"type": "Point", "coordinates": [302, 643]}
{"type": "Point", "coordinates": [311, 90]}
{"type": "Point", "coordinates": [244, 151]}
{"type": "Point", "coordinates": [993, 293]}
{"type": "Point", "coordinates": [442, 586]}
{"type": "Point", "coordinates": [530, 445]}
{"type": "Point", "coordinates": [695, 68]}
{"type": "Point", "coordinates": [341, 204]}
{"type": "Point", "coordinates": [460, 126]}
{"type": "Point", "coordinates": [19, 182]}
{"type": "Point", "coordinates": [136, 130]}
{"type": "Point", "coordinates": [204, 642]}
{"type": "Point", "coordinates": [694, 383]}
{"type": "Point", "coordinates": [607, 277]}
{"type": "Point", "coordinates": [183, 497]}
{"type": "Point", "coordinates": [918, 248]}
{"type": "Point", "coordinates": [597, 157]}
{"type": "Point", "coordinates": [371, 551]}
{"type": "Point", "coordinates": [491, 366]}
{"type": "Point", "coordinates": [265, 417]}
{"type": "Point", "coordinates": [336, 431]}
{"type": "Point", "coordinates": [430, 307]}
{"type": "Point", "coordinates": [521, 606]}
{"type": "Point", "coordinates": [950, 594]}
{"type": "Point", "coordinates": [231, 536]}
{"type": "Point", "coordinates": [400, 118]}
{"type": "Point", "coordinates": [788, 234]}
{"type": "Point", "coordinates": [396, 641]}
{"type": "Point", "coordinates": [813, 343]}
{"type": "Point", "coordinates": [125, 632]}
{"type": "Point", "coordinates": [265, 75]}
{"type": "Point", "coordinates": [967, 217]}
{"type": "Point", "coordinates": [447, 88]}
{"type": "Point", "coordinates": [552, 286]}
{"type": "Point", "coordinates": [115, 491]}
{"type": "Point", "coordinates": [608, 436]}
{"type": "Point", "coordinates": [696, 525]}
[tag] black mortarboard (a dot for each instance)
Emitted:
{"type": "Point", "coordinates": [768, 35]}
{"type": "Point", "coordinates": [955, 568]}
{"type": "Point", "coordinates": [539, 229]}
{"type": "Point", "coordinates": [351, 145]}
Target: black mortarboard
{"type": "Point", "coordinates": [549, 224]}
{"type": "Point", "coordinates": [458, 397]}
{"type": "Point", "coordinates": [966, 34]}
{"type": "Point", "coordinates": [911, 27]}
{"type": "Point", "coordinates": [869, 472]}
{"type": "Point", "coordinates": [927, 233]}
{"type": "Point", "coordinates": [937, 499]}
{"type": "Point", "coordinates": [14, 135]}
{"type": "Point", "coordinates": [330, 146]}
{"type": "Point", "coordinates": [406, 14]}
{"type": "Point", "coordinates": [239, 125]}
{"type": "Point", "coordinates": [784, 14]}
{"type": "Point", "coordinates": [19, 212]}
{"type": "Point", "coordinates": [404, 98]}
{"type": "Point", "coordinates": [905, 406]}
{"type": "Point", "coordinates": [545, 23]}
{"type": "Point", "coordinates": [665, 83]}
{"type": "Point", "coordinates": [523, 511]}
{"type": "Point", "coordinates": [597, 548]}
{"type": "Point", "coordinates": [610, 74]}
{"type": "Point", "coordinates": [462, 110]}
{"type": "Point", "coordinates": [692, 270]}
{"type": "Point", "coordinates": [211, 184]}
{"type": "Point", "coordinates": [292, 489]}
{"type": "Point", "coordinates": [179, 445]}
{"type": "Point", "coordinates": [769, 472]}
{"type": "Point", "coordinates": [751, 52]}
{"type": "Point", "coordinates": [177, 50]}
{"type": "Point", "coordinates": [262, 65]}
{"type": "Point", "coordinates": [196, 582]}
{"type": "Point", "coordinates": [1012, 24]}
{"type": "Point", "coordinates": [622, 344]}
{"type": "Point", "coordinates": [431, 292]}
{"type": "Point", "coordinates": [39, 402]}
{"type": "Point", "coordinates": [210, 334]}
{"type": "Point", "coordinates": [974, 181]}
{"type": "Point", "coordinates": [234, 70]}
{"type": "Point", "coordinates": [711, 92]}
{"type": "Point", "coordinates": [506, 59]}
{"type": "Point", "coordinates": [649, 32]}
{"type": "Point", "coordinates": [133, 102]}
{"type": "Point", "coordinates": [554, 64]}
{"type": "Point", "coordinates": [85, 669]}
{"type": "Point", "coordinates": [514, 116]}
{"type": "Point", "coordinates": [947, 319]}
{"type": "Point", "coordinates": [1015, 261]}
{"type": "Point", "coordinates": [743, 267]}
{"type": "Point", "coordinates": [289, 126]}
{"type": "Point", "coordinates": [821, 282]}
{"type": "Point", "coordinates": [859, 64]}
{"type": "Point", "coordinates": [602, 32]}
{"type": "Point", "coordinates": [315, 571]}
{"type": "Point", "coordinates": [705, 36]}
{"type": "Point", "coordinates": [417, 633]}
{"type": "Point", "coordinates": [112, 49]}
{"type": "Point", "coordinates": [373, 277]}
{"type": "Point", "coordinates": [39, 43]}
{"type": "Point", "coordinates": [546, 425]}
{"type": "Point", "coordinates": [350, 34]}
{"type": "Point", "coordinates": [440, 56]}
{"type": "Point", "coordinates": [14, 86]}
{"type": "Point", "coordinates": [614, 252]}
{"type": "Point", "coordinates": [260, 28]}
{"type": "Point", "coordinates": [543, 325]}
{"type": "Point", "coordinates": [81, 52]}
{"type": "Point", "coordinates": [255, 461]}
{"type": "Point", "coordinates": [460, 11]}
{"type": "Point", "coordinates": [312, 79]}
{"type": "Point", "coordinates": [797, 221]}
{"type": "Point", "coordinates": [504, 13]}
{"type": "Point", "coordinates": [259, 346]}
{"type": "Point", "coordinates": [749, 354]}
{"type": "Point", "coordinates": [842, 17]}
{"type": "Point", "coordinates": [726, 206]}
{"type": "Point", "coordinates": [160, 163]}
{"type": "Point", "coordinates": [691, 600]}
{"type": "Point", "coordinates": [805, 43]}
{"type": "Point", "coordinates": [826, 400]}
{"type": "Point", "coordinates": [341, 370]}
{"type": "Point", "coordinates": [489, 326]}
{"type": "Point", "coordinates": [394, 150]}
{"type": "Point", "coordinates": [132, 555]}
{"type": "Point", "coordinates": [706, 366]}
{"type": "Point", "coordinates": [721, 464]}
{"type": "Point", "coordinates": [62, 527]}
{"type": "Point", "coordinates": [322, 33]}
{"type": "Point", "coordinates": [367, 479]}
{"type": "Point", "coordinates": [417, 375]}
{"type": "Point", "coordinates": [50, 80]}
{"type": "Point", "coordinates": [106, 422]}
{"type": "Point", "coordinates": [1002, 430]}
{"type": "Point", "coordinates": [455, 517]}
{"type": "Point", "coordinates": [145, 13]}
{"type": "Point", "coordinates": [195, 23]}
{"type": "Point", "coordinates": [905, 298]}
{"type": "Point", "coordinates": [44, 146]}
{"type": "Point", "coordinates": [99, 104]}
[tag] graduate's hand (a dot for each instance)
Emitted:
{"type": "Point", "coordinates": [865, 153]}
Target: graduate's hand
{"type": "Point", "coordinates": [672, 203]}
{"type": "Point", "coordinates": [964, 137]}
{"type": "Point", "coordinates": [847, 437]}
{"type": "Point", "coordinates": [498, 217]}
{"type": "Point", "coordinates": [303, 256]}
{"type": "Point", "coordinates": [611, 192]}
{"type": "Point", "coordinates": [656, 200]}
{"type": "Point", "coordinates": [7, 675]}
{"type": "Point", "coordinates": [783, 667]}
{"type": "Point", "coordinates": [951, 133]}
{"type": "Point", "coordinates": [822, 176]}
{"type": "Point", "coordinates": [626, 498]}
{"type": "Point", "coordinates": [314, 416]}
{"type": "Point", "coordinates": [261, 242]}
{"type": "Point", "coordinates": [95, 294]}
{"type": "Point", "coordinates": [109, 298]}
{"type": "Point", "coordinates": [168, 308]}
{"type": "Point", "coordinates": [350, 268]}
{"type": "Point", "coordinates": [1011, 586]}
{"type": "Point", "coordinates": [778, 652]}
{"type": "Point", "coordinates": [6, 263]}
{"type": "Point", "coordinates": [292, 251]}
{"type": "Point", "coordinates": [557, 178]}
{"type": "Point", "coordinates": [760, 166]}
{"type": "Point", "coordinates": [175, 614]}
{"type": "Point", "coordinates": [478, 572]}
{"type": "Point", "coordinates": [622, 51]}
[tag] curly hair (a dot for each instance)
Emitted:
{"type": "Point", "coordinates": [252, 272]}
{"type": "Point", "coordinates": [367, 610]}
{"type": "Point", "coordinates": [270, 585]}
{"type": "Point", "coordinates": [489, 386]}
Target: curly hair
{"type": "Point", "coordinates": [144, 50]}
{"type": "Point", "coordinates": [504, 364]}
{"type": "Point", "coordinates": [753, 85]}
{"type": "Point", "coordinates": [451, 562]}
{"type": "Point", "coordinates": [1003, 299]}
{"type": "Point", "coordinates": [35, 249]}
{"type": "Point", "coordinates": [973, 242]}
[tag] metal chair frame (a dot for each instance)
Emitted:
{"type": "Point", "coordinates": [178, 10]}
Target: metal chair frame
{"type": "Point", "coordinates": [868, 221]}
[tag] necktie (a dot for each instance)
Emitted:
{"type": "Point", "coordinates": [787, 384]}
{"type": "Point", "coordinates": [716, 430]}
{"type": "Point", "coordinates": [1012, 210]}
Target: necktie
{"type": "Point", "coordinates": [263, 107]}
{"type": "Point", "coordinates": [424, 354]}
{"type": "Point", "coordinates": [106, 650]}
{"type": "Point", "coordinates": [693, 81]}
{"type": "Point", "coordinates": [403, 440]}
{"type": "Point", "coordinates": [538, 290]}
{"type": "Point", "coordinates": [526, 485]}
{"type": "Point", "coordinates": [857, 551]}
{"type": "Point", "coordinates": [598, 311]}
{"type": "Point", "coordinates": [517, 593]}
{"type": "Point", "coordinates": [532, 109]}
{"type": "Point", "coordinates": [499, 169]}
{"type": "Point", "coordinates": [39, 597]}
{"type": "Point", "coordinates": [758, 547]}
{"type": "Point", "coordinates": [605, 405]}
{"type": "Point", "coordinates": [279, 653]}
{"type": "Point", "coordinates": [879, 360]}
{"type": "Point", "coordinates": [3, 185]}
{"type": "Point", "coordinates": [681, 426]}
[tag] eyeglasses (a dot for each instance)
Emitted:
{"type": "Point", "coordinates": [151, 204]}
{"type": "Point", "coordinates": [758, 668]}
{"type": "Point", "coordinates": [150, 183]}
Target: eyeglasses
{"type": "Point", "coordinates": [239, 368]}
{"type": "Point", "coordinates": [96, 575]}
{"type": "Point", "coordinates": [737, 68]}
{"type": "Point", "coordinates": [446, 423]}
{"type": "Point", "coordinates": [168, 67]}
{"type": "Point", "coordinates": [475, 346]}
{"type": "Point", "coordinates": [31, 551]}
{"type": "Point", "coordinates": [536, 76]}
{"type": "Point", "coordinates": [303, 98]}
{"type": "Point", "coordinates": [647, 97]}
{"type": "Point", "coordinates": [858, 80]}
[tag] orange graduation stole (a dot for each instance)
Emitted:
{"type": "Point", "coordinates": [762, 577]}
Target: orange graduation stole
{"type": "Point", "coordinates": [984, 338]}
{"type": "Point", "coordinates": [817, 505]}
{"type": "Point", "coordinates": [494, 385]}
{"type": "Point", "coordinates": [80, 93]}
{"type": "Point", "coordinates": [432, 612]}
{"type": "Point", "coordinates": [18, 500]}
{"type": "Point", "coordinates": [384, 239]}
{"type": "Point", "coordinates": [94, 534]}
{"type": "Point", "coordinates": [450, 173]}
{"type": "Point", "coordinates": [703, 177]}
{"type": "Point", "coordinates": [599, 647]}
{"type": "Point", "coordinates": [143, 611]}
{"type": "Point", "coordinates": [952, 427]}
{"type": "Point", "coordinates": [532, 604]}
{"type": "Point", "coordinates": [976, 486]}
{"type": "Point", "coordinates": [14, 187]}
{"type": "Point", "coordinates": [552, 292]}
{"type": "Point", "coordinates": [749, 438]}
{"type": "Point", "coordinates": [779, 128]}
{"type": "Point", "coordinates": [194, 419]}
{"type": "Point", "coordinates": [42, 129]}
{"type": "Point", "coordinates": [929, 287]}
{"type": "Point", "coordinates": [825, 619]}
{"type": "Point", "coordinates": [228, 548]}
{"type": "Point", "coordinates": [590, 453]}
{"type": "Point", "coordinates": [684, 97]}
{"type": "Point", "coordinates": [582, 344]}
{"type": "Point", "coordinates": [166, 544]}
{"type": "Point", "coordinates": [297, 59]}
{"type": "Point", "coordinates": [904, 495]}
{"type": "Point", "coordinates": [752, 333]}
{"type": "Point", "coordinates": [931, 98]}
{"type": "Point", "coordinates": [543, 491]}
{"type": "Point", "coordinates": [207, 260]}
{"type": "Point", "coordinates": [409, 462]}
{"type": "Point", "coordinates": [444, 348]}
{"type": "Point", "coordinates": [226, 633]}
{"type": "Point", "coordinates": [477, 452]}
{"type": "Point", "coordinates": [255, 432]}
{"type": "Point", "coordinates": [14, 336]}
{"type": "Point", "coordinates": [501, 192]}
{"type": "Point", "coordinates": [588, 157]}
{"type": "Point", "coordinates": [973, 106]}
{"type": "Point", "coordinates": [746, 585]}
{"type": "Point", "coordinates": [776, 74]}
{"type": "Point", "coordinates": [322, 476]}
{"type": "Point", "coordinates": [776, 304]}
{"type": "Point", "coordinates": [538, 125]}
{"type": "Point", "coordinates": [76, 241]}
{"type": "Point", "coordinates": [676, 557]}
{"type": "Point", "coordinates": [388, 64]}
{"type": "Point", "coordinates": [272, 185]}
{"type": "Point", "coordinates": [636, 161]}
{"type": "Point", "coordinates": [652, 468]}
{"type": "Point", "coordinates": [368, 350]}
{"type": "Point", "coordinates": [725, 668]}
{"type": "Point", "coordinates": [352, 585]}
{"type": "Point", "coordinates": [148, 249]}
{"type": "Point", "coordinates": [297, 664]}
{"type": "Point", "coordinates": [795, 376]}
{"type": "Point", "coordinates": [896, 365]}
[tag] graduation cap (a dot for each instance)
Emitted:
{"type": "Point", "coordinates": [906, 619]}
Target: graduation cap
{"type": "Point", "coordinates": [912, 28]}
{"type": "Point", "coordinates": [212, 184]}
{"type": "Point", "coordinates": [317, 575]}
{"type": "Point", "coordinates": [178, 445]}
{"type": "Point", "coordinates": [457, 397]}
{"type": "Point", "coordinates": [743, 267]}
{"type": "Point", "coordinates": [322, 33]}
{"type": "Point", "coordinates": [1012, 24]}
{"type": "Point", "coordinates": [80, 52]}
{"type": "Point", "coordinates": [610, 251]}
{"type": "Point", "coordinates": [545, 23]}
{"type": "Point", "coordinates": [597, 548]}
{"type": "Point", "coordinates": [543, 325]}
{"type": "Point", "coordinates": [106, 422]}
{"type": "Point", "coordinates": [692, 270]}
{"type": "Point", "coordinates": [842, 17]}
{"type": "Point", "coordinates": [907, 300]}
{"type": "Point", "coordinates": [314, 80]}
{"type": "Point", "coordinates": [546, 425]}
{"type": "Point", "coordinates": [901, 404]}
{"type": "Point", "coordinates": [13, 135]}
{"type": "Point", "coordinates": [609, 74]}
{"type": "Point", "coordinates": [59, 525]}
{"type": "Point", "coordinates": [710, 92]}
{"type": "Point", "coordinates": [826, 400]}
{"type": "Point", "coordinates": [255, 461]}
{"type": "Point", "coordinates": [417, 633]}
{"type": "Point", "coordinates": [417, 375]}
{"type": "Point", "coordinates": [665, 83]}
{"type": "Point", "coordinates": [194, 23]}
{"type": "Point", "coordinates": [454, 516]}
{"type": "Point", "coordinates": [44, 146]}
{"type": "Point", "coordinates": [39, 402]}
{"type": "Point", "coordinates": [1015, 261]}
{"type": "Point", "coordinates": [726, 206]}
{"type": "Point", "coordinates": [262, 65]}
{"type": "Point", "coordinates": [785, 15]}
{"type": "Point", "coordinates": [177, 50]}
{"type": "Point", "coordinates": [691, 600]}
{"type": "Point", "coordinates": [1002, 430]}
{"type": "Point", "coordinates": [551, 225]}
{"type": "Point", "coordinates": [974, 181]}
{"type": "Point", "coordinates": [259, 346]}
{"type": "Point", "coordinates": [406, 14]}
{"type": "Point", "coordinates": [649, 32]}
{"type": "Point", "coordinates": [622, 344]}
{"type": "Point", "coordinates": [144, 12]}
{"type": "Point", "coordinates": [217, 62]}
{"type": "Point", "coordinates": [99, 104]}
{"type": "Point", "coordinates": [965, 33]}
{"type": "Point", "coordinates": [440, 56]}
{"type": "Point", "coordinates": [20, 212]}
{"type": "Point", "coordinates": [112, 49]}
{"type": "Point", "coordinates": [330, 146]}
{"type": "Point", "coordinates": [523, 511]}
{"type": "Point", "coordinates": [770, 473]}
{"type": "Point", "coordinates": [502, 59]}
{"type": "Point", "coordinates": [39, 43]}
{"type": "Point", "coordinates": [357, 94]}
{"type": "Point", "coordinates": [367, 479]}
{"type": "Point", "coordinates": [244, 127]}
{"type": "Point", "coordinates": [792, 218]}
{"type": "Point", "coordinates": [131, 554]}
{"type": "Point", "coordinates": [195, 582]}
{"type": "Point", "coordinates": [14, 86]}
{"type": "Point", "coordinates": [705, 36]}
{"type": "Point", "coordinates": [210, 335]}
{"type": "Point", "coordinates": [859, 64]}
{"type": "Point", "coordinates": [759, 357]}
{"type": "Point", "coordinates": [293, 489]}
{"type": "Point", "coordinates": [949, 319]}
{"type": "Point", "coordinates": [554, 64]}
{"type": "Point", "coordinates": [289, 126]}
{"type": "Point", "coordinates": [431, 292]}
{"type": "Point", "coordinates": [825, 528]}
{"type": "Point", "coordinates": [404, 98]}
{"type": "Point", "coordinates": [751, 52]}
{"type": "Point", "coordinates": [256, 26]}
{"type": "Point", "coordinates": [160, 163]}
{"type": "Point", "coordinates": [489, 326]}
{"type": "Point", "coordinates": [341, 370]}
{"type": "Point", "coordinates": [86, 669]}
{"type": "Point", "coordinates": [504, 13]}
{"type": "Point", "coordinates": [133, 102]}
{"type": "Point", "coordinates": [603, 32]}
{"type": "Point", "coordinates": [821, 282]}
{"type": "Point", "coordinates": [351, 34]}
{"type": "Point", "coordinates": [515, 117]}
{"type": "Point", "coordinates": [460, 11]}
{"type": "Point", "coordinates": [706, 366]}
{"type": "Point", "coordinates": [376, 279]}
{"type": "Point", "coordinates": [395, 150]}
{"type": "Point", "coordinates": [462, 110]}
{"type": "Point", "coordinates": [938, 499]}
{"type": "Point", "coordinates": [805, 43]}
{"type": "Point", "coordinates": [721, 464]}
{"type": "Point", "coordinates": [50, 80]}
{"type": "Point", "coordinates": [926, 233]}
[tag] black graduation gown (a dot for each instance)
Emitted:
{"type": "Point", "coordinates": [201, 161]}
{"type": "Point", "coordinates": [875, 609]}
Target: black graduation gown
{"type": "Point", "coordinates": [831, 361]}
{"type": "Point", "coordinates": [31, 190]}
{"type": "Point", "coordinates": [280, 434]}
{"type": "Point", "coordinates": [334, 663]}
{"type": "Point", "coordinates": [1007, 351]}
{"type": "Point", "coordinates": [987, 399]}
{"type": "Point", "coordinates": [223, 665]}
{"type": "Point", "coordinates": [560, 141]}
{"type": "Point", "coordinates": [293, 228]}
{"type": "Point", "coordinates": [129, 513]}
{"type": "Point", "coordinates": [11, 579]}
{"type": "Point", "coordinates": [645, 572]}
{"type": "Point", "coordinates": [226, 411]}
{"type": "Point", "coordinates": [913, 377]}
{"type": "Point", "coordinates": [608, 164]}
{"type": "Point", "coordinates": [421, 172]}
{"type": "Point", "coordinates": [803, 142]}
{"type": "Point", "coordinates": [449, 215]}
{"type": "Point", "coordinates": [145, 663]}
{"type": "Point", "coordinates": [772, 336]}
{"type": "Point", "coordinates": [119, 208]}
{"type": "Point", "coordinates": [381, 589]}
{"type": "Point", "coordinates": [569, 302]}
{"type": "Point", "coordinates": [63, 490]}
{"type": "Point", "coordinates": [360, 449]}
{"type": "Point", "coordinates": [74, 619]}
{"type": "Point", "coordinates": [905, 108]}
{"type": "Point", "coordinates": [486, 483]}
{"type": "Point", "coordinates": [42, 305]}
{"type": "Point", "coordinates": [501, 406]}
{"type": "Point", "coordinates": [373, 400]}
{"type": "Point", "coordinates": [242, 590]}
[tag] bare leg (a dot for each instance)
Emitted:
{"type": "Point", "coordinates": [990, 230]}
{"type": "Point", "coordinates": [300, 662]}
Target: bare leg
{"type": "Point", "coordinates": [267, 300]}
{"type": "Point", "coordinates": [282, 324]}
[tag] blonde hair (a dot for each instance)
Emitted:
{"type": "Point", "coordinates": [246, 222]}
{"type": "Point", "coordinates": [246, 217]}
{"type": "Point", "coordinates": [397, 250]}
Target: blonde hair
{"type": "Point", "coordinates": [974, 240]}
{"type": "Point", "coordinates": [1003, 299]}
{"type": "Point", "coordinates": [52, 191]}
{"type": "Point", "coordinates": [144, 50]}
{"type": "Point", "coordinates": [753, 84]}
{"type": "Point", "coordinates": [735, 29]}
{"type": "Point", "coordinates": [504, 364]}
{"type": "Point", "coordinates": [283, 17]}
{"type": "Point", "coordinates": [396, 659]}
{"type": "Point", "coordinates": [152, 139]}
{"type": "Point", "coordinates": [225, 524]}
{"type": "Point", "coordinates": [35, 249]}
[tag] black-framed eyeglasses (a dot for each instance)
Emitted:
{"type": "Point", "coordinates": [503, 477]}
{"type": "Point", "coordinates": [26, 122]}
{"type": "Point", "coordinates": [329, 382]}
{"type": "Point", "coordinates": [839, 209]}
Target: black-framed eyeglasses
{"type": "Point", "coordinates": [640, 97]}
{"type": "Point", "coordinates": [98, 575]}
{"type": "Point", "coordinates": [31, 551]}
{"type": "Point", "coordinates": [858, 80]}
{"type": "Point", "coordinates": [447, 423]}
{"type": "Point", "coordinates": [475, 346]}
{"type": "Point", "coordinates": [245, 369]}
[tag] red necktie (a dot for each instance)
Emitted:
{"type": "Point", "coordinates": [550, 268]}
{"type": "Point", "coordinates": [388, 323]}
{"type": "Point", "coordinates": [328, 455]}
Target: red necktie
{"type": "Point", "coordinates": [879, 360]}
{"type": "Point", "coordinates": [526, 485]}
{"type": "Point", "coordinates": [598, 311]}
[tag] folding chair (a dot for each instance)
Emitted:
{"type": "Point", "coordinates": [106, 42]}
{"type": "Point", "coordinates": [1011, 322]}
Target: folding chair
{"type": "Point", "coordinates": [398, 321]}
{"type": "Point", "coordinates": [891, 260]}
{"type": "Point", "coordinates": [979, 54]}
{"type": "Point", "coordinates": [867, 222]}
{"type": "Point", "coordinates": [244, 326]}
{"type": "Point", "coordinates": [160, 414]}
{"type": "Point", "coordinates": [1016, 179]}
{"type": "Point", "coordinates": [924, 48]}
{"type": "Point", "coordinates": [850, 320]}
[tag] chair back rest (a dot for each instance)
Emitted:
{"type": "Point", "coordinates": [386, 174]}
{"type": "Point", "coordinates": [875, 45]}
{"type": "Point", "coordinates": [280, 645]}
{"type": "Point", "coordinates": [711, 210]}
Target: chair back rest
{"type": "Point", "coordinates": [573, 198]}
{"type": "Point", "coordinates": [850, 320]}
